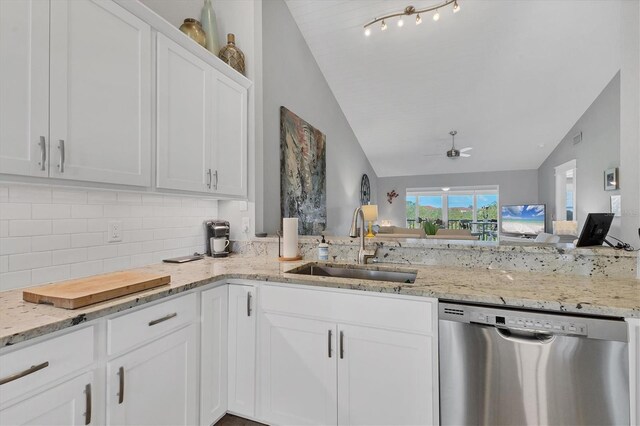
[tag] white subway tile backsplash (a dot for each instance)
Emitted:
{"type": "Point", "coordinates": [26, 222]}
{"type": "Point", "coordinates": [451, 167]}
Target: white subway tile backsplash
{"type": "Point", "coordinates": [68, 196]}
{"type": "Point", "coordinates": [11, 280]}
{"type": "Point", "coordinates": [57, 233]}
{"type": "Point", "coordinates": [117, 263]}
{"type": "Point", "coordinates": [84, 269]}
{"type": "Point", "coordinates": [15, 211]}
{"type": "Point", "coordinates": [102, 252]}
{"type": "Point", "coordinates": [87, 239]}
{"type": "Point", "coordinates": [75, 255]}
{"type": "Point", "coordinates": [25, 228]}
{"type": "Point", "coordinates": [69, 226]}
{"type": "Point", "coordinates": [50, 274]}
{"type": "Point", "coordinates": [29, 194]}
{"type": "Point", "coordinates": [50, 242]}
{"type": "Point", "coordinates": [86, 211]}
{"type": "Point", "coordinates": [21, 262]}
{"type": "Point", "coordinates": [50, 211]}
{"type": "Point", "coordinates": [15, 245]}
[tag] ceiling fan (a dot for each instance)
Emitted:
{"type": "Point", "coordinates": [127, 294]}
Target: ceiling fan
{"type": "Point", "coordinates": [453, 152]}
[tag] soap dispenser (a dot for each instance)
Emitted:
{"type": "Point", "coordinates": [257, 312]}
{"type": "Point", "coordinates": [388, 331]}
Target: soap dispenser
{"type": "Point", "coordinates": [323, 250]}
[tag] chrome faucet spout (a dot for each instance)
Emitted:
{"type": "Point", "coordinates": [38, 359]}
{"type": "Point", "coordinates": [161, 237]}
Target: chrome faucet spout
{"type": "Point", "coordinates": [363, 254]}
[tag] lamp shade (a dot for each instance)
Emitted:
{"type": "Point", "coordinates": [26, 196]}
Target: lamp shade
{"type": "Point", "coordinates": [370, 212]}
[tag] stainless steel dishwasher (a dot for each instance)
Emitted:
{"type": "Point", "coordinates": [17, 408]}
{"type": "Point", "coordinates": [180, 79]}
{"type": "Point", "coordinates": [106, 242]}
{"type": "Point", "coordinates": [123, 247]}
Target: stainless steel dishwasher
{"type": "Point", "coordinates": [515, 367]}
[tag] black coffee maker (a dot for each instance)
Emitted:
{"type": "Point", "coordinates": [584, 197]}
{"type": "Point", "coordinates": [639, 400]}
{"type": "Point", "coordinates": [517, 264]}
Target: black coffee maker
{"type": "Point", "coordinates": [218, 244]}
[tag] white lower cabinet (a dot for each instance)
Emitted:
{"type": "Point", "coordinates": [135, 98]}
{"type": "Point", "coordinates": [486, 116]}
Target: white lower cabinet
{"type": "Point", "coordinates": [384, 377]}
{"type": "Point", "coordinates": [242, 349]}
{"type": "Point", "coordinates": [298, 369]}
{"type": "Point", "coordinates": [347, 365]}
{"type": "Point", "coordinates": [213, 354]}
{"type": "Point", "coordinates": [634, 369]}
{"type": "Point", "coordinates": [69, 403]}
{"type": "Point", "coordinates": [155, 384]}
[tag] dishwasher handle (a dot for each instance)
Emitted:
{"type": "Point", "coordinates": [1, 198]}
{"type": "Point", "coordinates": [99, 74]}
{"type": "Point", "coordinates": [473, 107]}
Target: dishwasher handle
{"type": "Point", "coordinates": [525, 336]}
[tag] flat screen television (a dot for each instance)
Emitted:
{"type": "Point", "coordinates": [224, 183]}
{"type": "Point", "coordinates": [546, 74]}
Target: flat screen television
{"type": "Point", "coordinates": [523, 219]}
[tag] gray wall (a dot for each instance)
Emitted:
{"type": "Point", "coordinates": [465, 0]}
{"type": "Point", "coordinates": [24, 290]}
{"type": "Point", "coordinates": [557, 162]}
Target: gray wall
{"type": "Point", "coordinates": [292, 78]}
{"type": "Point", "coordinates": [516, 187]}
{"type": "Point", "coordinates": [598, 151]}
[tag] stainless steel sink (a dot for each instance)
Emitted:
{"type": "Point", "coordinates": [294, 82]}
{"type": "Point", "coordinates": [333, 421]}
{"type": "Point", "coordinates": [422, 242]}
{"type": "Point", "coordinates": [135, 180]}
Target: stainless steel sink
{"type": "Point", "coordinates": [356, 272]}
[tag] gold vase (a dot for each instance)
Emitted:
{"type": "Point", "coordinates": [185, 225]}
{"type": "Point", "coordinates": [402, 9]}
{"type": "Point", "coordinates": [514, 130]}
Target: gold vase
{"type": "Point", "coordinates": [232, 55]}
{"type": "Point", "coordinates": [193, 29]}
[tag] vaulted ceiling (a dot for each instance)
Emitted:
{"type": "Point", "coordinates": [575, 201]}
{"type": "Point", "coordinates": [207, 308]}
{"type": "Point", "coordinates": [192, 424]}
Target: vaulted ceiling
{"type": "Point", "coordinates": [512, 77]}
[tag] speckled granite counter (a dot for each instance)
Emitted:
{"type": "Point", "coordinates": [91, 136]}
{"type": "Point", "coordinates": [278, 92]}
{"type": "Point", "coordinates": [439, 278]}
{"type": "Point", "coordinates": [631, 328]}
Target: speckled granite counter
{"type": "Point", "coordinates": [620, 297]}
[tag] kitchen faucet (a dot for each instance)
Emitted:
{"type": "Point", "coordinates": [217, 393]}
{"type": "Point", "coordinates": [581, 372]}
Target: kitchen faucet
{"type": "Point", "coordinates": [363, 254]}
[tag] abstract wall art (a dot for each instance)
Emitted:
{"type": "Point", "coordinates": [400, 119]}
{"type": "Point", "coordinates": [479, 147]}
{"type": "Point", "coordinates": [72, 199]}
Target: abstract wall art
{"type": "Point", "coordinates": [303, 188]}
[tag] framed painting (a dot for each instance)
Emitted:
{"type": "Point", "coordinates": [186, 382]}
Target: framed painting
{"type": "Point", "coordinates": [303, 187]}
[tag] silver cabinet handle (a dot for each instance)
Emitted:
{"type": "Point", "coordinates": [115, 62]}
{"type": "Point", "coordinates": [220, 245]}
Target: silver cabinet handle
{"type": "Point", "coordinates": [215, 185]}
{"type": "Point", "coordinates": [43, 153]}
{"type": "Point", "coordinates": [163, 319]}
{"type": "Point", "coordinates": [341, 345]}
{"type": "Point", "coordinates": [121, 387]}
{"type": "Point", "coordinates": [329, 343]}
{"type": "Point", "coordinates": [249, 304]}
{"type": "Point", "coordinates": [26, 372]}
{"type": "Point", "coordinates": [87, 414]}
{"type": "Point", "coordinates": [209, 174]}
{"type": "Point", "coordinates": [61, 148]}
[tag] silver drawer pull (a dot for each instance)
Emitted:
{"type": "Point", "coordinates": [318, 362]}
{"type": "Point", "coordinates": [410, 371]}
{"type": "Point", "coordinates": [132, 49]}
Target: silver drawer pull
{"type": "Point", "coordinates": [341, 345]}
{"type": "Point", "coordinates": [61, 148]}
{"type": "Point", "coordinates": [121, 387]}
{"type": "Point", "coordinates": [163, 319]}
{"type": "Point", "coordinates": [249, 304]}
{"type": "Point", "coordinates": [43, 153]}
{"type": "Point", "coordinates": [26, 372]}
{"type": "Point", "coordinates": [87, 414]}
{"type": "Point", "coordinates": [329, 343]}
{"type": "Point", "coordinates": [209, 180]}
{"type": "Point", "coordinates": [216, 184]}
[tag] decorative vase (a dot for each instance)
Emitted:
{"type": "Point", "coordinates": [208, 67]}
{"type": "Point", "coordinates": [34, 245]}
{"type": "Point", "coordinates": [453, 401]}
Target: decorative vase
{"type": "Point", "coordinates": [192, 28]}
{"type": "Point", "coordinates": [232, 55]}
{"type": "Point", "coordinates": [210, 26]}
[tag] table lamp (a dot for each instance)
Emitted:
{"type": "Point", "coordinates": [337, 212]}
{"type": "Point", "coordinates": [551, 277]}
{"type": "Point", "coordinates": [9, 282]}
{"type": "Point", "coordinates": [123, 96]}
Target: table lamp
{"type": "Point", "coordinates": [370, 212]}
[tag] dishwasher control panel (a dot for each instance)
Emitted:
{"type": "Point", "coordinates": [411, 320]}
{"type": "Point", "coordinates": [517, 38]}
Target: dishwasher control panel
{"type": "Point", "coordinates": [522, 321]}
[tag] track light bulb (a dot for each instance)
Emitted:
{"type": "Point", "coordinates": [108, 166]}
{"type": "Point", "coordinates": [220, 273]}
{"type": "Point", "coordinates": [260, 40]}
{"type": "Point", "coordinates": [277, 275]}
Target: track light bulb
{"type": "Point", "coordinates": [456, 7]}
{"type": "Point", "coordinates": [418, 20]}
{"type": "Point", "coordinates": [436, 16]}
{"type": "Point", "coordinates": [367, 31]}
{"type": "Point", "coordinates": [383, 26]}
{"type": "Point", "coordinates": [400, 22]}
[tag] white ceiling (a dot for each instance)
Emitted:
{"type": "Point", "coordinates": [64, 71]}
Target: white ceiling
{"type": "Point", "coordinates": [507, 75]}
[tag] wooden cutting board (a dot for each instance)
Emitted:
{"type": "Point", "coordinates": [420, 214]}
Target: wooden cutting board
{"type": "Point", "coordinates": [81, 292]}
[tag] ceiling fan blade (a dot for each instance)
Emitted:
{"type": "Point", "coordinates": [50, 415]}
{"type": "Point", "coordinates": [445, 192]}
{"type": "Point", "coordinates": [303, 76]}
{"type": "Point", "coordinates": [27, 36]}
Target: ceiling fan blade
{"type": "Point", "coordinates": [469, 148]}
{"type": "Point", "coordinates": [465, 155]}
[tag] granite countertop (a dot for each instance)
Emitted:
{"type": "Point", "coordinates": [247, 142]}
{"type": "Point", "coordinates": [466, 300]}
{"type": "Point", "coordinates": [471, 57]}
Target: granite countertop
{"type": "Point", "coordinates": [618, 297]}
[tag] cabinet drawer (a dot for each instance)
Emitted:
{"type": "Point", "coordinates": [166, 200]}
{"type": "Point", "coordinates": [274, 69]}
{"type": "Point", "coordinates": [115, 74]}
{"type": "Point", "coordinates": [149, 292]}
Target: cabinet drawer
{"type": "Point", "coordinates": [45, 362]}
{"type": "Point", "coordinates": [146, 324]}
{"type": "Point", "coordinates": [414, 315]}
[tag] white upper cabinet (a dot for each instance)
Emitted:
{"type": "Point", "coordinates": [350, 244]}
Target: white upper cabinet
{"type": "Point", "coordinates": [24, 87]}
{"type": "Point", "coordinates": [230, 141]}
{"type": "Point", "coordinates": [100, 95]}
{"type": "Point", "coordinates": [184, 118]}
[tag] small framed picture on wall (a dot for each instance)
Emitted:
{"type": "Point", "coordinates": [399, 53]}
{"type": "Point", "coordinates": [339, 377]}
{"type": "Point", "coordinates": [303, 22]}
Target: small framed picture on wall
{"type": "Point", "coordinates": [611, 179]}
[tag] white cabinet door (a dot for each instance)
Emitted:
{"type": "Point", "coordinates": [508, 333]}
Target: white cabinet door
{"type": "Point", "coordinates": [70, 403]}
{"type": "Point", "coordinates": [634, 369]}
{"type": "Point", "coordinates": [100, 96]}
{"type": "Point", "coordinates": [213, 355]}
{"type": "Point", "coordinates": [185, 118]}
{"type": "Point", "coordinates": [230, 140]}
{"type": "Point", "coordinates": [242, 349]}
{"type": "Point", "coordinates": [155, 384]}
{"type": "Point", "coordinates": [24, 87]}
{"type": "Point", "coordinates": [385, 377]}
{"type": "Point", "coordinates": [298, 370]}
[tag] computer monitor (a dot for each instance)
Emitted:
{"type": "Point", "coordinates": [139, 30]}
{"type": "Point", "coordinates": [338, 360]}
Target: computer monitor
{"type": "Point", "coordinates": [595, 230]}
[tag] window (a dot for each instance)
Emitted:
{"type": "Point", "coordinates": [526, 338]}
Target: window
{"type": "Point", "coordinates": [455, 208]}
